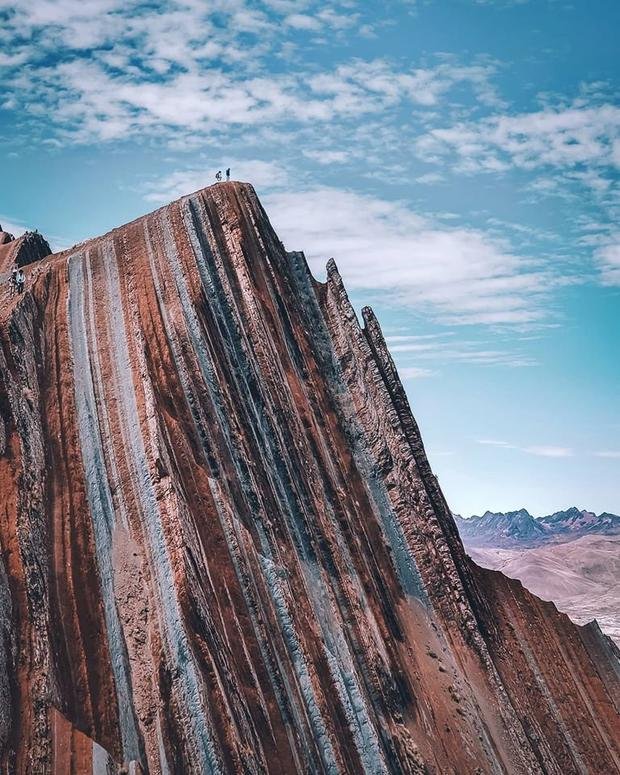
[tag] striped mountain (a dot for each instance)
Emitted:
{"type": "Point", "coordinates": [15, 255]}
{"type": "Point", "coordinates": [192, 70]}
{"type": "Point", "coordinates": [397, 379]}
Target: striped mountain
{"type": "Point", "coordinates": [223, 548]}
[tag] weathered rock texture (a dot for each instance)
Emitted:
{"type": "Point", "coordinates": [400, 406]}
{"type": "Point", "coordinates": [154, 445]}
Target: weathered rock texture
{"type": "Point", "coordinates": [223, 548]}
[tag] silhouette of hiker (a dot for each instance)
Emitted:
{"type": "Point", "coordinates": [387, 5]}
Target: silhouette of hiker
{"type": "Point", "coordinates": [218, 176]}
{"type": "Point", "coordinates": [228, 174]}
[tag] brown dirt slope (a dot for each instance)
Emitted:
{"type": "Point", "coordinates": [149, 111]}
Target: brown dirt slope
{"type": "Point", "coordinates": [582, 577]}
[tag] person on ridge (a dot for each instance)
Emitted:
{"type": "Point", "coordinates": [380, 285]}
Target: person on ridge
{"type": "Point", "coordinates": [218, 176]}
{"type": "Point", "coordinates": [228, 174]}
{"type": "Point", "coordinates": [20, 280]}
{"type": "Point", "coordinates": [13, 281]}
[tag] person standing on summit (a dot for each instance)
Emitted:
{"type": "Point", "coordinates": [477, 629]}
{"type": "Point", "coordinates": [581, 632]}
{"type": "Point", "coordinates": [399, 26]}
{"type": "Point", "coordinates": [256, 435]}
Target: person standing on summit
{"type": "Point", "coordinates": [228, 174]}
{"type": "Point", "coordinates": [218, 176]}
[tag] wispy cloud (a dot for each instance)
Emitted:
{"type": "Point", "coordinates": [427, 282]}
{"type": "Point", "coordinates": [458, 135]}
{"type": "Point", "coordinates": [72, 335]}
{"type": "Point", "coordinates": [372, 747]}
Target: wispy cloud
{"type": "Point", "coordinates": [549, 451]}
{"type": "Point", "coordinates": [108, 70]}
{"type": "Point", "coordinates": [430, 178]}
{"type": "Point", "coordinates": [11, 226]}
{"type": "Point", "coordinates": [415, 372]}
{"type": "Point", "coordinates": [608, 260]}
{"type": "Point", "coordinates": [444, 348]}
{"type": "Point", "coordinates": [463, 275]}
{"type": "Point", "coordinates": [565, 137]}
{"type": "Point", "coordinates": [572, 149]}
{"type": "Point", "coordinates": [470, 352]}
{"type": "Point", "coordinates": [612, 454]}
{"type": "Point", "coordinates": [407, 338]}
{"type": "Point", "coordinates": [543, 450]}
{"type": "Point", "coordinates": [327, 156]}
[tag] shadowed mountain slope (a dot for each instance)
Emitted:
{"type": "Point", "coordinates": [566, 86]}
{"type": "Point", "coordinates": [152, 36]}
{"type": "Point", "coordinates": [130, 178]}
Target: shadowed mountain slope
{"type": "Point", "coordinates": [223, 548]}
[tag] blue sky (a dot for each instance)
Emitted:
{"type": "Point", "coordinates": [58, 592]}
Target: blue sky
{"type": "Point", "coordinates": [459, 159]}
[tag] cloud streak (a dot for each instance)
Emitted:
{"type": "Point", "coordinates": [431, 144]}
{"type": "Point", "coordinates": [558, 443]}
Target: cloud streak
{"type": "Point", "coordinates": [543, 450]}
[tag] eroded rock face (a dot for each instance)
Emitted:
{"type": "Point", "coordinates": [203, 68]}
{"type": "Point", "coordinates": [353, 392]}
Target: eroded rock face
{"type": "Point", "coordinates": [223, 546]}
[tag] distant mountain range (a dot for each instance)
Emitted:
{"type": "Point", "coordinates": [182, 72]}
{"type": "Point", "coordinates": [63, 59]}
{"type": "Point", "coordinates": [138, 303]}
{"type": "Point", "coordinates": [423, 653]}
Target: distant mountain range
{"type": "Point", "coordinates": [520, 529]}
{"type": "Point", "coordinates": [571, 557]}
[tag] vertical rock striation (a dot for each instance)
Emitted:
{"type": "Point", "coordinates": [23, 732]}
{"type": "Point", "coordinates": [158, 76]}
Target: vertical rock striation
{"type": "Point", "coordinates": [223, 547]}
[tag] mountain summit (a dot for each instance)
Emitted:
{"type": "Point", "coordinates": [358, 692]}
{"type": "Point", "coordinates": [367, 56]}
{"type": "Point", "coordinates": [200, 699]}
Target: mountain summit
{"type": "Point", "coordinates": [224, 550]}
{"type": "Point", "coordinates": [520, 528]}
{"type": "Point", "coordinates": [498, 529]}
{"type": "Point", "coordinates": [575, 522]}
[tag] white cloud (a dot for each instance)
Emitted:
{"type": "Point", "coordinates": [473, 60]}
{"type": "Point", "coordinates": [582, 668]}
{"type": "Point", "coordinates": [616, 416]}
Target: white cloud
{"type": "Point", "coordinates": [325, 18]}
{"type": "Point", "coordinates": [107, 69]}
{"type": "Point", "coordinates": [415, 337]}
{"type": "Point", "coordinates": [608, 261]}
{"type": "Point", "coordinates": [557, 138]}
{"type": "Point", "coordinates": [327, 156]}
{"type": "Point", "coordinates": [338, 21]}
{"type": "Point", "coordinates": [612, 454]}
{"type": "Point", "coordinates": [430, 178]}
{"type": "Point", "coordinates": [300, 21]}
{"type": "Point", "coordinates": [573, 149]}
{"type": "Point", "coordinates": [463, 275]}
{"type": "Point", "coordinates": [107, 97]}
{"type": "Point", "coordinates": [378, 81]}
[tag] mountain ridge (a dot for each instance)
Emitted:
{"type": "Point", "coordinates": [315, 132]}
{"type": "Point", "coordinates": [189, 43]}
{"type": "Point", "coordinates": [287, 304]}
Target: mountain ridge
{"type": "Point", "coordinates": [224, 549]}
{"type": "Point", "coordinates": [514, 528]}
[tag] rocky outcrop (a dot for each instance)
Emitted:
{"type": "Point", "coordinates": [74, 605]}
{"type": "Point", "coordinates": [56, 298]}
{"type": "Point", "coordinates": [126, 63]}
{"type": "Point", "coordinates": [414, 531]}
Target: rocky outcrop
{"type": "Point", "coordinates": [24, 250]}
{"type": "Point", "coordinates": [5, 236]}
{"type": "Point", "coordinates": [223, 546]}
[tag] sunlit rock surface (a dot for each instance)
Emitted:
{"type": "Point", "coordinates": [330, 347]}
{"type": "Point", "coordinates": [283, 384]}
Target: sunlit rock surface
{"type": "Point", "coordinates": [223, 548]}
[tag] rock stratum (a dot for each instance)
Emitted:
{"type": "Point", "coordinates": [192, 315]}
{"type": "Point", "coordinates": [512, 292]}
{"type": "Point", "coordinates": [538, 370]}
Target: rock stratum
{"type": "Point", "coordinates": [223, 548]}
